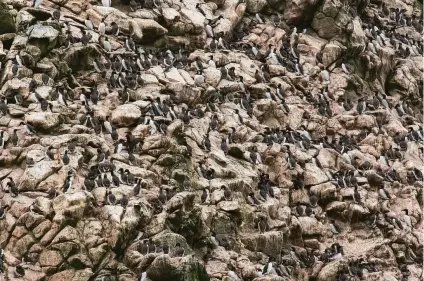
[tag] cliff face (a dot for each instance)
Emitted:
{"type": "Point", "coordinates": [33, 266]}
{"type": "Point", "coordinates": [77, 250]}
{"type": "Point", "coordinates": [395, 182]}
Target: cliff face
{"type": "Point", "coordinates": [281, 141]}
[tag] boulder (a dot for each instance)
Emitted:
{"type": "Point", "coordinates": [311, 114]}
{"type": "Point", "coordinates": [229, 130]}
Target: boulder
{"type": "Point", "coordinates": [331, 270]}
{"type": "Point", "coordinates": [45, 121]}
{"type": "Point", "coordinates": [331, 19]}
{"type": "Point", "coordinates": [126, 115]}
{"type": "Point", "coordinates": [45, 37]}
{"type": "Point", "coordinates": [169, 269]}
{"type": "Point", "coordinates": [313, 175]}
{"type": "Point", "coordinates": [7, 21]}
{"type": "Point", "coordinates": [297, 11]}
{"type": "Point", "coordinates": [310, 226]}
{"type": "Point", "coordinates": [255, 6]}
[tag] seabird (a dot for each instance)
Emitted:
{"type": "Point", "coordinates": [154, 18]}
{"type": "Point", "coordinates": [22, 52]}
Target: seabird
{"type": "Point", "coordinates": [111, 199]}
{"type": "Point", "coordinates": [407, 219]}
{"type": "Point", "coordinates": [227, 193]}
{"type": "Point", "coordinates": [299, 209]}
{"type": "Point", "coordinates": [143, 276]}
{"type": "Point", "coordinates": [224, 146]}
{"type": "Point", "coordinates": [107, 3]}
{"type": "Point", "coordinates": [106, 45]}
{"type": "Point", "coordinates": [68, 183]}
{"type": "Point", "coordinates": [65, 158]}
{"type": "Point", "coordinates": [276, 20]}
{"type": "Point", "coordinates": [334, 227]}
{"type": "Point", "coordinates": [114, 27]}
{"type": "Point", "coordinates": [204, 196]}
{"type": "Point", "coordinates": [85, 39]}
{"type": "Point", "coordinates": [37, 3]}
{"type": "Point", "coordinates": [88, 23]}
{"type": "Point", "coordinates": [211, 62]}
{"type": "Point", "coordinates": [15, 68]}
{"type": "Point", "coordinates": [356, 195]}
{"type": "Point", "coordinates": [260, 19]}
{"type": "Point", "coordinates": [129, 44]}
{"type": "Point", "coordinates": [19, 270]}
{"type": "Point", "coordinates": [251, 199]}
{"type": "Point", "coordinates": [262, 224]}
{"type": "Point", "coordinates": [267, 269]}
{"type": "Point", "coordinates": [107, 125]}
{"type": "Point", "coordinates": [290, 159]}
{"type": "Point", "coordinates": [209, 30]}
{"type": "Point", "coordinates": [13, 189]}
{"type": "Point", "coordinates": [199, 79]}
{"type": "Point", "coordinates": [384, 194]}
{"type": "Point", "coordinates": [28, 128]}
{"type": "Point", "coordinates": [2, 140]}
{"type": "Point", "coordinates": [3, 106]}
{"type": "Point", "coordinates": [102, 27]}
{"type": "Point", "coordinates": [14, 137]}
{"type": "Point", "coordinates": [56, 14]}
{"type": "Point", "coordinates": [199, 8]}
{"type": "Point", "coordinates": [2, 215]}
{"type": "Point", "coordinates": [49, 153]}
{"type": "Point", "coordinates": [361, 106]}
{"type": "Point", "coordinates": [124, 201]}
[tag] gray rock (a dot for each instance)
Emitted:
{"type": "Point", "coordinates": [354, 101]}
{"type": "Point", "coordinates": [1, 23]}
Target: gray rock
{"type": "Point", "coordinates": [7, 21]}
{"type": "Point", "coordinates": [126, 115]}
{"type": "Point", "coordinates": [45, 37]}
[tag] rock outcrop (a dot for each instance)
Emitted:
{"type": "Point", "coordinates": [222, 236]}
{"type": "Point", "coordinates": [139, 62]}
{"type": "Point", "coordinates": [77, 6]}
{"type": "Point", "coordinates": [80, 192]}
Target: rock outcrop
{"type": "Point", "coordinates": [220, 140]}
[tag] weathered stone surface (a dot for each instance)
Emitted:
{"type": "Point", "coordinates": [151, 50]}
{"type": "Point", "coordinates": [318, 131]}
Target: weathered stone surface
{"type": "Point", "coordinates": [168, 177]}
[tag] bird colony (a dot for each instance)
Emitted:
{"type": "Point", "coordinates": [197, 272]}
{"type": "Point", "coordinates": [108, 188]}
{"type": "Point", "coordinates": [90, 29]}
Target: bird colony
{"type": "Point", "coordinates": [163, 140]}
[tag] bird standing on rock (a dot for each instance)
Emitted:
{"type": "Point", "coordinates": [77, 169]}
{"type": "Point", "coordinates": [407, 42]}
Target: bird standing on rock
{"type": "Point", "coordinates": [13, 189]}
{"type": "Point", "coordinates": [228, 196]}
{"type": "Point", "coordinates": [107, 3]}
{"type": "Point", "coordinates": [36, 3]}
{"type": "Point", "coordinates": [224, 146]}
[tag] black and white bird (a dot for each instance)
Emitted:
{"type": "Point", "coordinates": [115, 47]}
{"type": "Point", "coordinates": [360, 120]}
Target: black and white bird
{"type": "Point", "coordinates": [36, 3]}
{"type": "Point", "coordinates": [102, 27]}
{"type": "Point", "coordinates": [268, 267]}
{"type": "Point", "coordinates": [13, 189]}
{"type": "Point", "coordinates": [68, 182]}
{"type": "Point", "coordinates": [129, 44]}
{"type": "Point", "coordinates": [110, 198]}
{"type": "Point", "coordinates": [88, 23]}
{"type": "Point", "coordinates": [28, 129]}
{"type": "Point", "coordinates": [204, 196]}
{"type": "Point", "coordinates": [2, 215]}
{"type": "Point", "coordinates": [19, 271]}
{"type": "Point", "coordinates": [114, 27]}
{"type": "Point", "coordinates": [199, 79]}
{"type": "Point", "coordinates": [407, 219]}
{"type": "Point", "coordinates": [361, 106]}
{"type": "Point", "coordinates": [345, 68]}
{"type": "Point", "coordinates": [107, 3]}
{"type": "Point", "coordinates": [299, 67]}
{"type": "Point", "coordinates": [56, 14]}
{"type": "Point", "coordinates": [335, 229]}
{"type": "Point", "coordinates": [65, 158]}
{"type": "Point", "coordinates": [259, 18]}
{"type": "Point", "coordinates": [384, 194]}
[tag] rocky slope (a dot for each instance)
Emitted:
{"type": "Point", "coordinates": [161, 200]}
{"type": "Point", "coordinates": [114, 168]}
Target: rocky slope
{"type": "Point", "coordinates": [281, 141]}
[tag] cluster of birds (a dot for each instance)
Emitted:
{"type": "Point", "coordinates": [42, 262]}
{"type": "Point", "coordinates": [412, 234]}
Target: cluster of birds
{"type": "Point", "coordinates": [124, 74]}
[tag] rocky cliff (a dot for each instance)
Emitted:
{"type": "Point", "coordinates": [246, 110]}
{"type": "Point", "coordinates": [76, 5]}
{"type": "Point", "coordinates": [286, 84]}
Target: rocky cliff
{"type": "Point", "coordinates": [169, 140]}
